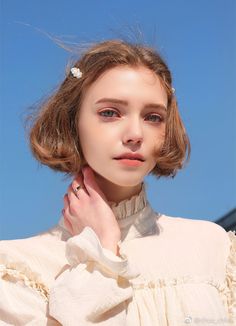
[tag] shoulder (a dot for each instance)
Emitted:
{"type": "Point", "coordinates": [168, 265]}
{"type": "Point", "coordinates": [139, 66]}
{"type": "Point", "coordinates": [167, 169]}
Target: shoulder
{"type": "Point", "coordinates": [209, 233]}
{"type": "Point", "coordinates": [44, 252]}
{"type": "Point", "coordinates": [30, 244]}
{"type": "Point", "coordinates": [191, 225]}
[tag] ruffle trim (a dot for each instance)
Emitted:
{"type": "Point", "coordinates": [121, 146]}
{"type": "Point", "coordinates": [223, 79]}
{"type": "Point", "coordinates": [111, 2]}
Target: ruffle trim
{"type": "Point", "coordinates": [140, 283]}
{"type": "Point", "coordinates": [19, 272]}
{"type": "Point", "coordinates": [221, 287]}
{"type": "Point", "coordinates": [130, 206]}
{"type": "Point", "coordinates": [231, 276]}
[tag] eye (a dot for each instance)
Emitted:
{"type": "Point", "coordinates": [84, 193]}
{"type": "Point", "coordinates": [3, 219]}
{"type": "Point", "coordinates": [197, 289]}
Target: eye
{"type": "Point", "coordinates": [109, 115]}
{"type": "Point", "coordinates": [156, 118]}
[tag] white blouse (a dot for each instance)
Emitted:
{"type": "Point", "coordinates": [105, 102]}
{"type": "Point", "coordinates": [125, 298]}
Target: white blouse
{"type": "Point", "coordinates": [172, 271]}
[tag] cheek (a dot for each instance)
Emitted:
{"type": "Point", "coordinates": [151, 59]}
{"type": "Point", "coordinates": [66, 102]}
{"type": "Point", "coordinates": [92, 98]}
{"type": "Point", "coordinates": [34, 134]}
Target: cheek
{"type": "Point", "coordinates": [93, 143]}
{"type": "Point", "coordinates": [87, 133]}
{"type": "Point", "coordinates": [158, 142]}
{"type": "Point", "coordinates": [88, 143]}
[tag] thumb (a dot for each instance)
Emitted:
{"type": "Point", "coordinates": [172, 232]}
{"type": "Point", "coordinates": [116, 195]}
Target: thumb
{"type": "Point", "coordinates": [91, 183]}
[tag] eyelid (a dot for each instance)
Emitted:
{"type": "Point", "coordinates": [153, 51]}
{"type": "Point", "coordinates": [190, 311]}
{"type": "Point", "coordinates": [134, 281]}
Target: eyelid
{"type": "Point", "coordinates": [162, 117]}
{"type": "Point", "coordinates": [108, 109]}
{"type": "Point", "coordinates": [155, 113]}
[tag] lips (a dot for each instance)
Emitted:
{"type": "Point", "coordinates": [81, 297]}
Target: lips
{"type": "Point", "coordinates": [131, 156]}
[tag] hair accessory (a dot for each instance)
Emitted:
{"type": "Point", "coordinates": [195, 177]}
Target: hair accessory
{"type": "Point", "coordinates": [76, 72]}
{"type": "Point", "coordinates": [173, 90]}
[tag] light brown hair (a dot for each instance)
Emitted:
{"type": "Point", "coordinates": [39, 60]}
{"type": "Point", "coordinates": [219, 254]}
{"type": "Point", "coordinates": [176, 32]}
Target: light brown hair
{"type": "Point", "coordinates": [54, 132]}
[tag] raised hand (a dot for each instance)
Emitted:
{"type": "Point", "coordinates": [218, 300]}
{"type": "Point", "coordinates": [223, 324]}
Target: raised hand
{"type": "Point", "coordinates": [89, 207]}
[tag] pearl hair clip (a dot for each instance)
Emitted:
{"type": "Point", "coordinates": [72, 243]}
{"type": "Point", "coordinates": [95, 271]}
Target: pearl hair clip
{"type": "Point", "coordinates": [76, 72]}
{"type": "Point", "coordinates": [173, 90]}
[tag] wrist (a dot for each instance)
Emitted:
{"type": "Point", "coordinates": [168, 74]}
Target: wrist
{"type": "Point", "coordinates": [112, 247]}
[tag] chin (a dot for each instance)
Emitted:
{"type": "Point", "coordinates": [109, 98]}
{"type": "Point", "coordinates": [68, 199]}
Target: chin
{"type": "Point", "coordinates": [118, 177]}
{"type": "Point", "coordinates": [126, 184]}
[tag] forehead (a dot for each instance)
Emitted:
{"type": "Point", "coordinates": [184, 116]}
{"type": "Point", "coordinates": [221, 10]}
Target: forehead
{"type": "Point", "coordinates": [128, 82]}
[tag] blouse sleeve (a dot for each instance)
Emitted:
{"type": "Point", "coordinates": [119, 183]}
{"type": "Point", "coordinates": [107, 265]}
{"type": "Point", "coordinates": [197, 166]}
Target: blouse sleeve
{"type": "Point", "coordinates": [231, 278]}
{"type": "Point", "coordinates": [23, 297]}
{"type": "Point", "coordinates": [95, 285]}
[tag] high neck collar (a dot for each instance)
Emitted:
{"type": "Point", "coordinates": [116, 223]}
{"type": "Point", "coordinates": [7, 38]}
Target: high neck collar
{"type": "Point", "coordinates": [134, 216]}
{"type": "Point", "coordinates": [131, 206]}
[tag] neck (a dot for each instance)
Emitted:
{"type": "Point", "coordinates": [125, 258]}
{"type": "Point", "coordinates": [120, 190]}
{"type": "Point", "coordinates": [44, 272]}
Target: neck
{"type": "Point", "coordinates": [115, 193]}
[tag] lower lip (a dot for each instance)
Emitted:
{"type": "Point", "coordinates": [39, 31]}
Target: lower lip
{"type": "Point", "coordinates": [130, 162]}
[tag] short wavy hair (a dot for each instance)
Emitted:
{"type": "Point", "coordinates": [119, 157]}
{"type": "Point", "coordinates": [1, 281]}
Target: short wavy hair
{"type": "Point", "coordinates": [53, 133]}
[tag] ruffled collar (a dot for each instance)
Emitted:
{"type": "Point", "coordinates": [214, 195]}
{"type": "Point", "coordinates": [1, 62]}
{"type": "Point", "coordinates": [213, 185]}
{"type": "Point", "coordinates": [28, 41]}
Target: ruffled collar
{"type": "Point", "coordinates": [135, 216]}
{"type": "Point", "coordinates": [131, 206]}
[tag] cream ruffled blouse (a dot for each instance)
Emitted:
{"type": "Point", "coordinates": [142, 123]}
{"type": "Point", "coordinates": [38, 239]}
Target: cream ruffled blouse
{"type": "Point", "coordinates": [172, 271]}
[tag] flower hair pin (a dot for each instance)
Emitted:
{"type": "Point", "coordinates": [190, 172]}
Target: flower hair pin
{"type": "Point", "coordinates": [76, 72]}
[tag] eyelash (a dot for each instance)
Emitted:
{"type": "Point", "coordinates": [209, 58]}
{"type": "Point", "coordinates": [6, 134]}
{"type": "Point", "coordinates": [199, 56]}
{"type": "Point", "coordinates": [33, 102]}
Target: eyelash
{"type": "Point", "coordinates": [109, 110]}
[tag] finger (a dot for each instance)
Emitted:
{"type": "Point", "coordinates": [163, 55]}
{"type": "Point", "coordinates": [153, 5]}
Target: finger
{"type": "Point", "coordinates": [67, 210]}
{"type": "Point", "coordinates": [75, 201]}
{"type": "Point", "coordinates": [67, 213]}
{"type": "Point", "coordinates": [66, 202]}
{"type": "Point", "coordinates": [78, 178]}
{"type": "Point", "coordinates": [78, 184]}
{"type": "Point", "coordinates": [71, 194]}
{"type": "Point", "coordinates": [78, 187]}
{"type": "Point", "coordinates": [68, 225]}
{"type": "Point", "coordinates": [91, 183]}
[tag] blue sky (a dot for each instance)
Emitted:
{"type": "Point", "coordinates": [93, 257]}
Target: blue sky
{"type": "Point", "coordinates": [198, 40]}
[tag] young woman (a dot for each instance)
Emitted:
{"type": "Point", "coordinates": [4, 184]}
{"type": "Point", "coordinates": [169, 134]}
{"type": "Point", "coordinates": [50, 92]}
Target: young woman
{"type": "Point", "coordinates": [113, 260]}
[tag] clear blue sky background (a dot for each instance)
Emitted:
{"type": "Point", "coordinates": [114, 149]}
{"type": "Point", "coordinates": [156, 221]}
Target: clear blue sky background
{"type": "Point", "coordinates": [198, 40]}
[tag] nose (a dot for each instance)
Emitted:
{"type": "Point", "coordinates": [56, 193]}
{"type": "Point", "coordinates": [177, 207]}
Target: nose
{"type": "Point", "coordinates": [133, 133]}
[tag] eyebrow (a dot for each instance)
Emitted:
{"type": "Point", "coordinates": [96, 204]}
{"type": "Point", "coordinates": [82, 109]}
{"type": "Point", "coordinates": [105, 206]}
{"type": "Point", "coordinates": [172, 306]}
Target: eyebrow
{"type": "Point", "coordinates": [123, 102]}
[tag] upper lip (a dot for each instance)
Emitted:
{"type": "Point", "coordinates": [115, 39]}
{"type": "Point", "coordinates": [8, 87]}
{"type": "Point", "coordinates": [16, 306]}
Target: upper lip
{"type": "Point", "coordinates": [131, 156]}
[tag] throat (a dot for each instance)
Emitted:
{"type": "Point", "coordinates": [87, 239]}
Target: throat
{"type": "Point", "coordinates": [115, 193]}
